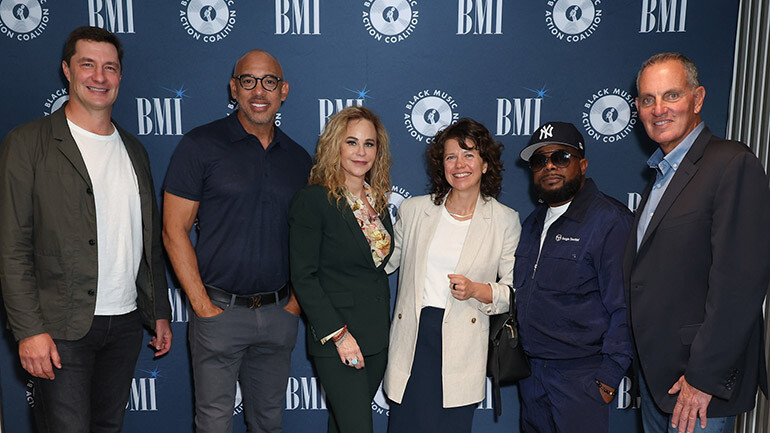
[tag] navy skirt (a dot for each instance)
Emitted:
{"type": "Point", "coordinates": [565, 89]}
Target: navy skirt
{"type": "Point", "coordinates": [421, 410]}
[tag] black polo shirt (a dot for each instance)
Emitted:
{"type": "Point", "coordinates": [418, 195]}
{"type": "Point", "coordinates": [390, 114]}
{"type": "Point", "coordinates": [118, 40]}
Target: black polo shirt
{"type": "Point", "coordinates": [244, 193]}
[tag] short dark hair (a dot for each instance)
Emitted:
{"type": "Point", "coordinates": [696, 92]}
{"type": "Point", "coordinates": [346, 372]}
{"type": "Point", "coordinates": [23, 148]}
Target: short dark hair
{"type": "Point", "coordinates": [89, 33]}
{"type": "Point", "coordinates": [489, 150]}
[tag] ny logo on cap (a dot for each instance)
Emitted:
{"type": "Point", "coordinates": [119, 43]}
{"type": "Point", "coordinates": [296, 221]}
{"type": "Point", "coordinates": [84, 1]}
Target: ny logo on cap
{"type": "Point", "coordinates": [546, 131]}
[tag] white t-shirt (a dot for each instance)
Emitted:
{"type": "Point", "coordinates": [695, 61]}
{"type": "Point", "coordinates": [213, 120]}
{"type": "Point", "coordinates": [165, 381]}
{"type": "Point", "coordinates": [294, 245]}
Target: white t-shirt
{"type": "Point", "coordinates": [552, 215]}
{"type": "Point", "coordinates": [118, 219]}
{"type": "Point", "coordinates": [443, 255]}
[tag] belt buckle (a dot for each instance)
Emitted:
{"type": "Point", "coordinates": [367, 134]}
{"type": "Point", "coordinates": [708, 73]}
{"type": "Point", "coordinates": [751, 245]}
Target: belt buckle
{"type": "Point", "coordinates": [256, 301]}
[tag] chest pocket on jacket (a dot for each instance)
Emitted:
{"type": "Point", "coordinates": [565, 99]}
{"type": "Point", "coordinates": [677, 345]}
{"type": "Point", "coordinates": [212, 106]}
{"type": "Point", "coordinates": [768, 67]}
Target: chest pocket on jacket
{"type": "Point", "coordinates": [565, 268]}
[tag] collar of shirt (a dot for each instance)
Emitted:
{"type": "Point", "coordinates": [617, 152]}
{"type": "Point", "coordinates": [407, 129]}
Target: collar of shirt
{"type": "Point", "coordinates": [236, 132]}
{"type": "Point", "coordinates": [578, 206]}
{"type": "Point", "coordinates": [665, 166]}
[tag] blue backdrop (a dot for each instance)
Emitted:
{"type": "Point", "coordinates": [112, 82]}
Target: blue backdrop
{"type": "Point", "coordinates": [419, 64]}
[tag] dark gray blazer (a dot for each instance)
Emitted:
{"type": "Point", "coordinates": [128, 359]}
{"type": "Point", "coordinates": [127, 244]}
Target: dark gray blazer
{"type": "Point", "coordinates": [695, 287]}
{"type": "Point", "coordinates": [48, 254]}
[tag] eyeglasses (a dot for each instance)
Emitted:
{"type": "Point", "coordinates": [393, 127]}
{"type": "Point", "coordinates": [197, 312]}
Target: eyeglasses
{"type": "Point", "coordinates": [248, 81]}
{"type": "Point", "coordinates": [559, 158]}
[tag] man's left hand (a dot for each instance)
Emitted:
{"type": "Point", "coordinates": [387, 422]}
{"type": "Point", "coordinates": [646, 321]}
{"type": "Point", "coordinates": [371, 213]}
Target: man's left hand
{"type": "Point", "coordinates": [162, 339]}
{"type": "Point", "coordinates": [690, 404]}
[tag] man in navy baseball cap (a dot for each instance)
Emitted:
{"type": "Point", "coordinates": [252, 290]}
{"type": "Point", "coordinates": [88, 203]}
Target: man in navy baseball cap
{"type": "Point", "coordinates": [571, 310]}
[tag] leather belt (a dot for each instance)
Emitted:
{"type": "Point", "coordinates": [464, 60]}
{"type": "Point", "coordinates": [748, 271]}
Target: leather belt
{"type": "Point", "coordinates": [251, 301]}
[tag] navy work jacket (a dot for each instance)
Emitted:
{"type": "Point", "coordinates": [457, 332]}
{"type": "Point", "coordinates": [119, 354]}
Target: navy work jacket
{"type": "Point", "coordinates": [570, 295]}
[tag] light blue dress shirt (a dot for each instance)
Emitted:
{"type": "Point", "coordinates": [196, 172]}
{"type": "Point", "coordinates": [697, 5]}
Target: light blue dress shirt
{"type": "Point", "coordinates": [665, 167]}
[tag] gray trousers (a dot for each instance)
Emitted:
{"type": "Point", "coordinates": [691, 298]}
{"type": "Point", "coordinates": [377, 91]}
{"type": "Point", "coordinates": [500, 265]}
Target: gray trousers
{"type": "Point", "coordinates": [253, 346]}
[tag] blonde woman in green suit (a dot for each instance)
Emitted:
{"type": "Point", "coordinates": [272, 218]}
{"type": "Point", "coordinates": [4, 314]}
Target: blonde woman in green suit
{"type": "Point", "coordinates": [340, 242]}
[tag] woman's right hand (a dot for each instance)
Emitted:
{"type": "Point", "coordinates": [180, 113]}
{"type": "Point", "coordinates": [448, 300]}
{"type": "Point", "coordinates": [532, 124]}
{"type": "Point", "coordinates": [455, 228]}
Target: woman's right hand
{"type": "Point", "coordinates": [348, 350]}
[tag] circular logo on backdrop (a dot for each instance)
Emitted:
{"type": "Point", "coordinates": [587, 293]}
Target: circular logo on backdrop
{"type": "Point", "coordinates": [397, 195]}
{"type": "Point", "coordinates": [208, 20]}
{"type": "Point", "coordinates": [390, 20]}
{"type": "Point", "coordinates": [573, 20]}
{"type": "Point", "coordinates": [609, 115]}
{"type": "Point", "coordinates": [29, 392]}
{"type": "Point", "coordinates": [429, 112]}
{"type": "Point", "coordinates": [380, 404]}
{"type": "Point", "coordinates": [22, 19]}
{"type": "Point", "coordinates": [55, 100]}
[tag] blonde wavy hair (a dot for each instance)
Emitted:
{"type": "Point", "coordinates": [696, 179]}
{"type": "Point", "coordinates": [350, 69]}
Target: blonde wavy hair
{"type": "Point", "coordinates": [327, 170]}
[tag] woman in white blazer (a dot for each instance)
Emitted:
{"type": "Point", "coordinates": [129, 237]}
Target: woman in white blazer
{"type": "Point", "coordinates": [455, 250]}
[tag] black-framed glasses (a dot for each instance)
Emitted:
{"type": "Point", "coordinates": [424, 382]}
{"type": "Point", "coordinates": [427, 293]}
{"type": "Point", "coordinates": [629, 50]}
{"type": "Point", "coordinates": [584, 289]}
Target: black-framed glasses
{"type": "Point", "coordinates": [248, 81]}
{"type": "Point", "coordinates": [559, 158]}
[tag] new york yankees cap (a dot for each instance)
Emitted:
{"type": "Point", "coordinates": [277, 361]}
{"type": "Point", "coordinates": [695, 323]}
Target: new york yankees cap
{"type": "Point", "coordinates": [562, 133]}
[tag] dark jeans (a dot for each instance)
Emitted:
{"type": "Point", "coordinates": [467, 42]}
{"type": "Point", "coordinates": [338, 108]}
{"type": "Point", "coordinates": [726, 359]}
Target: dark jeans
{"type": "Point", "coordinates": [90, 392]}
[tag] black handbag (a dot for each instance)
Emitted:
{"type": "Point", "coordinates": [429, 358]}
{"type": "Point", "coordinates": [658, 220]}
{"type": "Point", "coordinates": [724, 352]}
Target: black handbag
{"type": "Point", "coordinates": [507, 362]}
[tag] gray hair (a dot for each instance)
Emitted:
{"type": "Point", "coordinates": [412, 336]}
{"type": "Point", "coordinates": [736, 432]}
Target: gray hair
{"type": "Point", "coordinates": [689, 66]}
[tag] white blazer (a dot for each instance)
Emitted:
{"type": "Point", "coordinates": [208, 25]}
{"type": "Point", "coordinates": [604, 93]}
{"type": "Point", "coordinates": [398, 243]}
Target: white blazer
{"type": "Point", "coordinates": [487, 256]}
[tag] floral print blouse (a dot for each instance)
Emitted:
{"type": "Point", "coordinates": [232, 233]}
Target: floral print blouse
{"type": "Point", "coordinates": [374, 231]}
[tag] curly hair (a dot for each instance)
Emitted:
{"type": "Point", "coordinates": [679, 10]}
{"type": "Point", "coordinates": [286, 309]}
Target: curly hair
{"type": "Point", "coordinates": [327, 169]}
{"type": "Point", "coordinates": [489, 150]}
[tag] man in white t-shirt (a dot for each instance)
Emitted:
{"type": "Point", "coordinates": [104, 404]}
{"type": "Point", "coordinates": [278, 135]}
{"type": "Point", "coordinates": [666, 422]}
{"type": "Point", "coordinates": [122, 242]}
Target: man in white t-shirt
{"type": "Point", "coordinates": [81, 264]}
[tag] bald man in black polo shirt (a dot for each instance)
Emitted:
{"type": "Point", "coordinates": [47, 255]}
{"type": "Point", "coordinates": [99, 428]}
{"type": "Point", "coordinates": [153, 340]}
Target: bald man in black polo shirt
{"type": "Point", "coordinates": [236, 176]}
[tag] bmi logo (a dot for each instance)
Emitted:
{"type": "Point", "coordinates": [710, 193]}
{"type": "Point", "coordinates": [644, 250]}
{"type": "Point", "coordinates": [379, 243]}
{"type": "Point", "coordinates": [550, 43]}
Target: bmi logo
{"type": "Point", "coordinates": [573, 20]}
{"type": "Point", "coordinates": [180, 305]}
{"type": "Point", "coordinates": [305, 393]}
{"type": "Point", "coordinates": [328, 107]}
{"type": "Point", "coordinates": [663, 16]}
{"type": "Point", "coordinates": [391, 20]}
{"type": "Point", "coordinates": [480, 17]}
{"type": "Point", "coordinates": [160, 116]}
{"type": "Point", "coordinates": [397, 196]}
{"type": "Point", "coordinates": [428, 112]}
{"type": "Point", "coordinates": [23, 20]}
{"type": "Point", "coordinates": [634, 198]}
{"type": "Point", "coordinates": [518, 116]}
{"type": "Point", "coordinates": [55, 100]}
{"type": "Point", "coordinates": [295, 17]}
{"type": "Point", "coordinates": [609, 115]}
{"type": "Point", "coordinates": [116, 16]}
{"type": "Point", "coordinates": [143, 396]}
{"type": "Point", "coordinates": [209, 20]}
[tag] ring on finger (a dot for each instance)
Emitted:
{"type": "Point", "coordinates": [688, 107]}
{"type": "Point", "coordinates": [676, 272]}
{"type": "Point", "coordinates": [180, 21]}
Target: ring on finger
{"type": "Point", "coordinates": [454, 286]}
{"type": "Point", "coordinates": [354, 361]}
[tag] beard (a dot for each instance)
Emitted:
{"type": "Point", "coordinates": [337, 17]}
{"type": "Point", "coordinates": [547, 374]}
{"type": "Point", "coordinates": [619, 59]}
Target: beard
{"type": "Point", "coordinates": [560, 195]}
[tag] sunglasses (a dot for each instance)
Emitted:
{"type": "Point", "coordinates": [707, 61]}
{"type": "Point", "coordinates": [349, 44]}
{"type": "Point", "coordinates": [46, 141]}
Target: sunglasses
{"type": "Point", "coordinates": [559, 158]}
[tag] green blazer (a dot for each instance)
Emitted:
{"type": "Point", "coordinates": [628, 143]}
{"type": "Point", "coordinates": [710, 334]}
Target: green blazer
{"type": "Point", "coordinates": [334, 276]}
{"type": "Point", "coordinates": [48, 259]}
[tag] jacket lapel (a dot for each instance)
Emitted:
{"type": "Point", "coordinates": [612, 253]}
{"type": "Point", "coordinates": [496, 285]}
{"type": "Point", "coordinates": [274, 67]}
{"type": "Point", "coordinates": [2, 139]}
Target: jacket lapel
{"type": "Point", "coordinates": [425, 231]}
{"type": "Point", "coordinates": [143, 176]}
{"type": "Point", "coordinates": [67, 145]}
{"type": "Point", "coordinates": [357, 233]}
{"type": "Point", "coordinates": [478, 231]}
{"type": "Point", "coordinates": [682, 177]}
{"type": "Point", "coordinates": [476, 237]}
{"type": "Point", "coordinates": [385, 218]}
